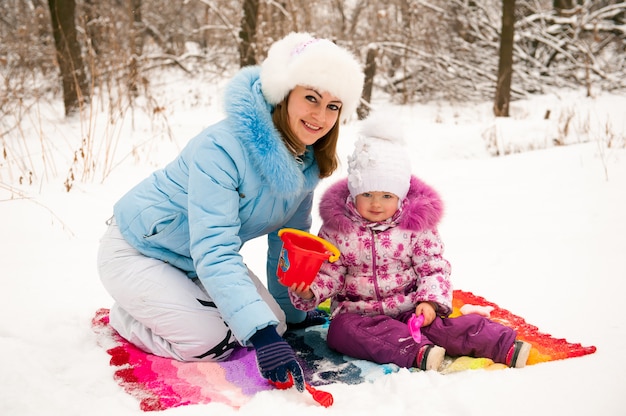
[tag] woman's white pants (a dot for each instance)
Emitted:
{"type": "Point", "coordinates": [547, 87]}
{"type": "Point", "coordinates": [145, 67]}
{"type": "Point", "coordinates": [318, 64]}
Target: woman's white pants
{"type": "Point", "coordinates": [162, 311]}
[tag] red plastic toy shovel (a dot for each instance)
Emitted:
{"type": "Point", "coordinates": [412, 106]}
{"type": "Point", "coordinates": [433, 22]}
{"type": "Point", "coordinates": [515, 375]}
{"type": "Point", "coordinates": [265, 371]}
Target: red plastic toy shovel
{"type": "Point", "coordinates": [322, 397]}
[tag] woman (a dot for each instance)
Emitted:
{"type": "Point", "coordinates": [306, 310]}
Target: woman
{"type": "Point", "coordinates": [171, 255]}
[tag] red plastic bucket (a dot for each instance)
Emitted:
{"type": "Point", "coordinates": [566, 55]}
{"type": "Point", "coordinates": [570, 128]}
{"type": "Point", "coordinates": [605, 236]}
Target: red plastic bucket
{"type": "Point", "coordinates": [302, 256]}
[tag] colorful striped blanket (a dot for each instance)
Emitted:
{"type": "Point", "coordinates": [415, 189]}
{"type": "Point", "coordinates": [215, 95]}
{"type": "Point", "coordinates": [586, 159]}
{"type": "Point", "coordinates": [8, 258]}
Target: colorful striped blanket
{"type": "Point", "coordinates": [161, 383]}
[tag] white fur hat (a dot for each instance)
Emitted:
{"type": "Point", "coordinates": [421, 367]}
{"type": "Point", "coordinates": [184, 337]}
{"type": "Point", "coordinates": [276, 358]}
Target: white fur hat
{"type": "Point", "coordinates": [380, 161]}
{"type": "Point", "coordinates": [301, 59]}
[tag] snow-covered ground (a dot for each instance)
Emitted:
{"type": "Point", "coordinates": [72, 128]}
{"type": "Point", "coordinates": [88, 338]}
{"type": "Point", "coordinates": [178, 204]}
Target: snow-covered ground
{"type": "Point", "coordinates": [542, 233]}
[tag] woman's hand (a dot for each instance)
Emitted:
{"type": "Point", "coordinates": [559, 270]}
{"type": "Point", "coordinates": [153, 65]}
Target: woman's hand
{"type": "Point", "coordinates": [303, 290]}
{"type": "Point", "coordinates": [428, 310]}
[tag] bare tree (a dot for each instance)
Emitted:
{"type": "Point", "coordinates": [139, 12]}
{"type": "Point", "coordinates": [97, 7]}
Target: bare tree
{"type": "Point", "coordinates": [136, 43]}
{"type": "Point", "coordinates": [247, 33]}
{"type": "Point", "coordinates": [93, 29]}
{"type": "Point", "coordinates": [73, 75]}
{"type": "Point", "coordinates": [505, 65]}
{"type": "Point", "coordinates": [370, 72]}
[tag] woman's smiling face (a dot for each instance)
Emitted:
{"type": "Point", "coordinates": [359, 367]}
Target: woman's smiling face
{"type": "Point", "coordinates": [311, 113]}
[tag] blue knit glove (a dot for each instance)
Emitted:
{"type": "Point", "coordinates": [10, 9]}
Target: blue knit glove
{"type": "Point", "coordinates": [275, 358]}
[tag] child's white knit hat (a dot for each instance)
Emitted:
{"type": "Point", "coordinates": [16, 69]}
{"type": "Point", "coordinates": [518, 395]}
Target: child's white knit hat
{"type": "Point", "coordinates": [380, 161]}
{"type": "Point", "coordinates": [301, 59]}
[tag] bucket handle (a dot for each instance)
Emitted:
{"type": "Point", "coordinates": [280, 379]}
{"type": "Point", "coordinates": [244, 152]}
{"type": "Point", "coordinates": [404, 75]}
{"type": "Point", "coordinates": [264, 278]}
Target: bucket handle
{"type": "Point", "coordinates": [334, 251]}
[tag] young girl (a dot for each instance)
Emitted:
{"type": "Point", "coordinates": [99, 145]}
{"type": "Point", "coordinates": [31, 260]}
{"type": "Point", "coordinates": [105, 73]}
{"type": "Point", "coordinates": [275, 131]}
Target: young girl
{"type": "Point", "coordinates": [384, 222]}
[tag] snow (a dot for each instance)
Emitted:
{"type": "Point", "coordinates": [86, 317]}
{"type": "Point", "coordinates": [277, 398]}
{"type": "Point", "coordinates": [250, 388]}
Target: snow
{"type": "Point", "coordinates": [541, 232]}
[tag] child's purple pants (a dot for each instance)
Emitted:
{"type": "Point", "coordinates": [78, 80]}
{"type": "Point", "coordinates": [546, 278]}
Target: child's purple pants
{"type": "Point", "coordinates": [383, 339]}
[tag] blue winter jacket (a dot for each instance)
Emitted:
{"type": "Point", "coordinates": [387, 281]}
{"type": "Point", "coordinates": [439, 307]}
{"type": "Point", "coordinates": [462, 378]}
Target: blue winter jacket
{"type": "Point", "coordinates": [233, 182]}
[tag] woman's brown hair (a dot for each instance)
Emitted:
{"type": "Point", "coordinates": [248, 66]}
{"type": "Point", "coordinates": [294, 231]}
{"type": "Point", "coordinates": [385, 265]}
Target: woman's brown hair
{"type": "Point", "coordinates": [325, 149]}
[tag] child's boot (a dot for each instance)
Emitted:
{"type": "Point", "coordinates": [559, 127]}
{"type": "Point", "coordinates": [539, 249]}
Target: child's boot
{"type": "Point", "coordinates": [430, 357]}
{"type": "Point", "coordinates": [518, 354]}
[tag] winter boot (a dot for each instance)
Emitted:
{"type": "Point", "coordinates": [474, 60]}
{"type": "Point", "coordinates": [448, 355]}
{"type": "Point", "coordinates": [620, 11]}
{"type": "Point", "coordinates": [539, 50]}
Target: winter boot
{"type": "Point", "coordinates": [518, 354]}
{"type": "Point", "coordinates": [314, 317]}
{"type": "Point", "coordinates": [430, 357]}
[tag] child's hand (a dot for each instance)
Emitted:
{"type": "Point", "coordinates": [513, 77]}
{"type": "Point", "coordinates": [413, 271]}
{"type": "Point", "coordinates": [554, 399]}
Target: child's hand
{"type": "Point", "coordinates": [428, 310]}
{"type": "Point", "coordinates": [303, 290]}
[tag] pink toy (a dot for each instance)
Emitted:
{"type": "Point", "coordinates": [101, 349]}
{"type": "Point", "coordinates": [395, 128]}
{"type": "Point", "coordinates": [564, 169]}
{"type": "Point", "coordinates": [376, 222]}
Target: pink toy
{"type": "Point", "coordinates": [415, 323]}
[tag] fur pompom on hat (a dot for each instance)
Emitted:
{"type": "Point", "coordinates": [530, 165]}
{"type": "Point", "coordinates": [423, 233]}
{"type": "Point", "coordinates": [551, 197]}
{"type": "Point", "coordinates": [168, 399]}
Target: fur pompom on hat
{"type": "Point", "coordinates": [301, 59]}
{"type": "Point", "coordinates": [380, 161]}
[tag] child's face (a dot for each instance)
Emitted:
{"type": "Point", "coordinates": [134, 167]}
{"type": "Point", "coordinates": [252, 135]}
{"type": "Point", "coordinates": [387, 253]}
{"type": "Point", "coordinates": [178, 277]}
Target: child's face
{"type": "Point", "coordinates": [376, 206]}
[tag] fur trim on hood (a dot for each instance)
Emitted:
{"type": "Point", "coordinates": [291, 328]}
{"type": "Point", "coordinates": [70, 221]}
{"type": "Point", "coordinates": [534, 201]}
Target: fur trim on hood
{"type": "Point", "coordinates": [422, 209]}
{"type": "Point", "coordinates": [250, 119]}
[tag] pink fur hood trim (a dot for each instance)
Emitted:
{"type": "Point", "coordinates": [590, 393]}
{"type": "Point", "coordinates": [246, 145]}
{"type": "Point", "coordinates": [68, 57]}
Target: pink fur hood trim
{"type": "Point", "coordinates": [422, 209]}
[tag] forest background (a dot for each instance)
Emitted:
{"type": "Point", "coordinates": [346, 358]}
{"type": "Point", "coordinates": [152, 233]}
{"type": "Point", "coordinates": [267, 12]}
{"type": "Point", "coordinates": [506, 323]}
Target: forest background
{"type": "Point", "coordinates": [103, 56]}
{"type": "Point", "coordinates": [86, 61]}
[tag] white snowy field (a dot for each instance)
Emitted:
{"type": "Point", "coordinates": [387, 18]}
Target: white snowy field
{"type": "Point", "coordinates": [541, 233]}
